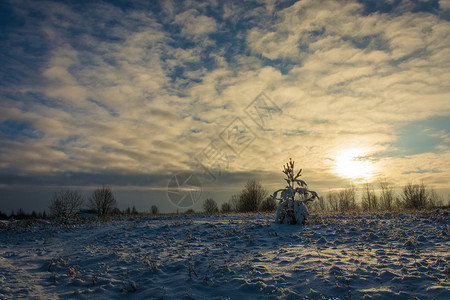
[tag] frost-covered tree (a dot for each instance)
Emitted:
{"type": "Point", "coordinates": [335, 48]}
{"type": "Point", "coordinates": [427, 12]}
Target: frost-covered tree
{"type": "Point", "coordinates": [292, 209]}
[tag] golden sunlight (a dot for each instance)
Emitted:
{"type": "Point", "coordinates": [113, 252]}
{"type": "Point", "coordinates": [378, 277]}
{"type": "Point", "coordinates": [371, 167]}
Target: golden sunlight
{"type": "Point", "coordinates": [350, 164]}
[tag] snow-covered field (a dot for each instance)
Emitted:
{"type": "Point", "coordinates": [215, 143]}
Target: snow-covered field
{"type": "Point", "coordinates": [393, 256]}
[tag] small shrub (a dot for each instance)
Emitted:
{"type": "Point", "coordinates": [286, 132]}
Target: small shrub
{"type": "Point", "coordinates": [292, 210]}
{"type": "Point", "coordinates": [268, 205]}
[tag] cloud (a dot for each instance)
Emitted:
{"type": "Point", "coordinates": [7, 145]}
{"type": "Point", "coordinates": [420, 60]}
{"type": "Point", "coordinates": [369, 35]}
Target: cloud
{"type": "Point", "coordinates": [142, 90]}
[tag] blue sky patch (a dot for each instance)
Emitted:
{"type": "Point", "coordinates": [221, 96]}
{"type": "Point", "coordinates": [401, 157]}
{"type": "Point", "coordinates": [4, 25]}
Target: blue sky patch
{"type": "Point", "coordinates": [422, 136]}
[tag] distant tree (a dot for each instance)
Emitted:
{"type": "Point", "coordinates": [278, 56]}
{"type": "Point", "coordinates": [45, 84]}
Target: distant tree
{"type": "Point", "coordinates": [154, 210]}
{"type": "Point", "coordinates": [434, 199]}
{"type": "Point", "coordinates": [333, 202]}
{"type": "Point", "coordinates": [20, 215]}
{"type": "Point", "coordinates": [415, 196]}
{"type": "Point", "coordinates": [44, 215]}
{"type": "Point", "coordinates": [226, 207]}
{"type": "Point", "coordinates": [369, 200]}
{"type": "Point", "coordinates": [347, 198]}
{"type": "Point", "coordinates": [127, 211]}
{"type": "Point", "coordinates": [3, 216]}
{"type": "Point", "coordinates": [210, 206]}
{"type": "Point", "coordinates": [268, 205]}
{"type": "Point", "coordinates": [134, 211]}
{"type": "Point", "coordinates": [190, 211]}
{"type": "Point", "coordinates": [251, 196]}
{"type": "Point", "coordinates": [386, 196]}
{"type": "Point", "coordinates": [65, 204]}
{"type": "Point", "coordinates": [234, 202]}
{"type": "Point", "coordinates": [116, 211]}
{"type": "Point", "coordinates": [103, 201]}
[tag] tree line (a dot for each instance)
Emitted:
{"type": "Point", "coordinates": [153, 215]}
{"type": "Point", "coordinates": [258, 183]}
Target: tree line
{"type": "Point", "coordinates": [411, 197]}
{"type": "Point", "coordinates": [67, 204]}
{"type": "Point", "coordinates": [252, 198]}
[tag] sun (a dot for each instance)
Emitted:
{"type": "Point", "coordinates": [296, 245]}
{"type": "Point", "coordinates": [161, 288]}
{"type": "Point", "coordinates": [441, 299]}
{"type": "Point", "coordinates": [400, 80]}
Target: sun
{"type": "Point", "coordinates": [350, 163]}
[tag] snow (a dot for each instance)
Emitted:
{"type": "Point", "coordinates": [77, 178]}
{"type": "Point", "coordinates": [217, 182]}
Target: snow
{"type": "Point", "coordinates": [398, 256]}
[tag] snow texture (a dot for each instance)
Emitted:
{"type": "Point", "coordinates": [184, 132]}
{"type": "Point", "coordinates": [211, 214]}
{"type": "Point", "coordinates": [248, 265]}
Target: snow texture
{"type": "Point", "coordinates": [389, 256]}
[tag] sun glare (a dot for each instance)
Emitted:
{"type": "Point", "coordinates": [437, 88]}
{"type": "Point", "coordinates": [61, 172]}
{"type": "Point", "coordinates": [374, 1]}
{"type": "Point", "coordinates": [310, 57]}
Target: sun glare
{"type": "Point", "coordinates": [350, 163]}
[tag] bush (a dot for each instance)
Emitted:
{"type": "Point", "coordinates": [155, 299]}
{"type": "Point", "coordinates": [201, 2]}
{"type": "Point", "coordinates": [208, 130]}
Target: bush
{"type": "Point", "coordinates": [65, 204]}
{"type": "Point", "coordinates": [251, 196]}
{"type": "Point", "coordinates": [268, 205]}
{"type": "Point", "coordinates": [234, 202]}
{"type": "Point", "coordinates": [103, 201]}
{"type": "Point", "coordinates": [154, 210]}
{"type": "Point", "coordinates": [210, 206]}
{"type": "Point", "coordinates": [225, 208]}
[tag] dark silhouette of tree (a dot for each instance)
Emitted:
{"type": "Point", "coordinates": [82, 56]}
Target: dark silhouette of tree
{"type": "Point", "coordinates": [251, 196]}
{"type": "Point", "coordinates": [210, 206]}
{"type": "Point", "coordinates": [65, 204]}
{"type": "Point", "coordinates": [154, 210]}
{"type": "Point", "coordinates": [225, 207]}
{"type": "Point", "coordinates": [103, 201]}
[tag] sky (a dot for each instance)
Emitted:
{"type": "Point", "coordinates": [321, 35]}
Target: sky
{"type": "Point", "coordinates": [170, 102]}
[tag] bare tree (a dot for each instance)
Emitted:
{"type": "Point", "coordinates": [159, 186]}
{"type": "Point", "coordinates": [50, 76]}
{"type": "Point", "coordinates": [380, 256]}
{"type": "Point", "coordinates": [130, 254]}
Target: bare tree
{"type": "Point", "coordinates": [415, 196]}
{"type": "Point", "coordinates": [333, 202]}
{"type": "Point", "coordinates": [154, 210]}
{"type": "Point", "coordinates": [346, 198]}
{"type": "Point", "coordinates": [65, 204]}
{"type": "Point", "coordinates": [386, 196]}
{"type": "Point", "coordinates": [103, 201]}
{"type": "Point", "coordinates": [234, 202]}
{"type": "Point", "coordinates": [369, 199]}
{"type": "Point", "coordinates": [251, 196]}
{"type": "Point", "coordinates": [210, 206]}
